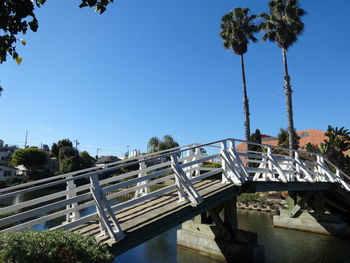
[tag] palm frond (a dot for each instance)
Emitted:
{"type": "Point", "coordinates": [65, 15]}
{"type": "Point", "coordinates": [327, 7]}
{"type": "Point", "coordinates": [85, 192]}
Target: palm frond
{"type": "Point", "coordinates": [237, 29]}
{"type": "Point", "coordinates": [283, 23]}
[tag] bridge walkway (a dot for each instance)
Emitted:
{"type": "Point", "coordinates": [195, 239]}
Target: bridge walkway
{"type": "Point", "coordinates": [164, 189]}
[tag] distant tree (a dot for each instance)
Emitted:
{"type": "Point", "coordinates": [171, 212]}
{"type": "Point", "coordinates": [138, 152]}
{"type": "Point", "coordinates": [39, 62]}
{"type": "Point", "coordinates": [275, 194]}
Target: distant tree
{"type": "Point", "coordinates": [155, 144]}
{"type": "Point", "coordinates": [31, 158]}
{"type": "Point", "coordinates": [336, 146]}
{"type": "Point", "coordinates": [1, 90]}
{"type": "Point", "coordinates": [283, 25]}
{"type": "Point", "coordinates": [256, 138]}
{"type": "Point", "coordinates": [86, 161]}
{"type": "Point", "coordinates": [167, 142]}
{"type": "Point", "coordinates": [152, 145]}
{"type": "Point", "coordinates": [69, 160]}
{"type": "Point", "coordinates": [55, 148]}
{"type": "Point", "coordinates": [283, 138]}
{"type": "Point", "coordinates": [17, 16]}
{"type": "Point", "coordinates": [237, 29]}
{"type": "Point", "coordinates": [312, 147]}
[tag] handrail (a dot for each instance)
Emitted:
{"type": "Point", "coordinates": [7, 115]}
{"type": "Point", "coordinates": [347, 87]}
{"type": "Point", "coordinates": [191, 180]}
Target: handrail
{"type": "Point", "coordinates": [136, 160]}
{"type": "Point", "coordinates": [235, 169]}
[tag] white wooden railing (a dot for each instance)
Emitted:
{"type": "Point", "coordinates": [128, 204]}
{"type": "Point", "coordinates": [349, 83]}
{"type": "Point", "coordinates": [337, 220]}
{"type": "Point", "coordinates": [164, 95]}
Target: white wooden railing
{"type": "Point", "coordinates": [63, 199]}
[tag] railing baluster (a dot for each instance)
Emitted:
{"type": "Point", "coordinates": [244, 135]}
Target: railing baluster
{"type": "Point", "coordinates": [185, 187]}
{"type": "Point", "coordinates": [71, 194]}
{"type": "Point", "coordinates": [196, 166]}
{"type": "Point", "coordinates": [102, 204]}
{"type": "Point", "coordinates": [145, 190]}
{"type": "Point", "coordinates": [297, 166]}
{"type": "Point", "coordinates": [224, 178]}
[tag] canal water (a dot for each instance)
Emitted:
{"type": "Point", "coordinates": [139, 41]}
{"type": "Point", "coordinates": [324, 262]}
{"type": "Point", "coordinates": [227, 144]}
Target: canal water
{"type": "Point", "coordinates": [281, 245]}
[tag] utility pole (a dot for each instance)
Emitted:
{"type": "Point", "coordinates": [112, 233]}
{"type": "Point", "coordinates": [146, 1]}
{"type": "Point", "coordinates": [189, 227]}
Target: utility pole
{"type": "Point", "coordinates": [25, 141]}
{"type": "Point", "coordinates": [127, 151]}
{"type": "Point", "coordinates": [97, 152]}
{"type": "Point", "coordinates": [76, 144]}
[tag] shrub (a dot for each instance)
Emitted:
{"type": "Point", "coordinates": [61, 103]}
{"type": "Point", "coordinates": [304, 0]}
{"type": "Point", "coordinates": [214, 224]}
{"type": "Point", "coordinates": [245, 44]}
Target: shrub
{"type": "Point", "coordinates": [51, 246]}
{"type": "Point", "coordinates": [212, 165]}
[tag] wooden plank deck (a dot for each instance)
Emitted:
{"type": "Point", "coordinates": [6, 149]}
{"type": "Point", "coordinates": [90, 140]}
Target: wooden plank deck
{"type": "Point", "coordinates": [143, 221]}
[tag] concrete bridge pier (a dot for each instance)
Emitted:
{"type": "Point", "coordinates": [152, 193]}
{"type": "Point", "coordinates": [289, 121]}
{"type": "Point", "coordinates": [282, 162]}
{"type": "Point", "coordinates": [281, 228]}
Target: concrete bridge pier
{"type": "Point", "coordinates": [215, 234]}
{"type": "Point", "coordinates": [306, 212]}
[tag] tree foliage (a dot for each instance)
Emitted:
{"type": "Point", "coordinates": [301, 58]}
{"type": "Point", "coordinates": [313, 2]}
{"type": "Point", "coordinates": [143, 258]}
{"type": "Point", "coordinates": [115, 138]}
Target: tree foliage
{"type": "Point", "coordinates": [51, 247]}
{"type": "Point", "coordinates": [336, 147]}
{"type": "Point", "coordinates": [283, 141]}
{"type": "Point", "coordinates": [86, 161]}
{"type": "Point", "coordinates": [256, 138]}
{"type": "Point", "coordinates": [69, 160]}
{"type": "Point", "coordinates": [155, 144]}
{"type": "Point", "coordinates": [283, 24]}
{"type": "Point", "coordinates": [17, 16]}
{"type": "Point", "coordinates": [55, 148]}
{"type": "Point", "coordinates": [31, 158]}
{"type": "Point", "coordinates": [237, 29]}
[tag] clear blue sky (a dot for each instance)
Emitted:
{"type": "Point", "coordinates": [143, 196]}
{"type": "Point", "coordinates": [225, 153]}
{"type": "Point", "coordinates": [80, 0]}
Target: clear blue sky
{"type": "Point", "coordinates": [155, 67]}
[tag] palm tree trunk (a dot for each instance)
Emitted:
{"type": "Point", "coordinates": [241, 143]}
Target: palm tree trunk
{"type": "Point", "coordinates": [245, 103]}
{"type": "Point", "coordinates": [289, 104]}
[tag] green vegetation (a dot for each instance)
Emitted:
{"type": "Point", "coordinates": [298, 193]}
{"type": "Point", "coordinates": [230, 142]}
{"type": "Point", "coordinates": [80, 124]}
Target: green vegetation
{"type": "Point", "coordinates": [252, 198]}
{"type": "Point", "coordinates": [283, 138]}
{"type": "Point", "coordinates": [256, 138]}
{"type": "Point", "coordinates": [283, 25]}
{"type": "Point", "coordinates": [55, 148]}
{"type": "Point", "coordinates": [258, 199]}
{"type": "Point", "coordinates": [238, 29]}
{"type": "Point", "coordinates": [51, 247]}
{"type": "Point", "coordinates": [16, 17]}
{"type": "Point", "coordinates": [33, 159]}
{"type": "Point", "coordinates": [336, 147]}
{"type": "Point", "coordinates": [155, 144]}
{"type": "Point", "coordinates": [212, 165]}
{"type": "Point", "coordinates": [86, 160]}
{"type": "Point", "coordinates": [68, 159]}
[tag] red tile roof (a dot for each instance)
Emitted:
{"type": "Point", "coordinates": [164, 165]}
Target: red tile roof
{"type": "Point", "coordinates": [307, 136]}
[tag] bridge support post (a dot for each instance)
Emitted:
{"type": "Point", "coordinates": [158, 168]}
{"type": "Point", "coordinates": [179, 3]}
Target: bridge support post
{"type": "Point", "coordinates": [306, 212]}
{"type": "Point", "coordinates": [144, 190]}
{"type": "Point", "coordinates": [215, 234]}
{"type": "Point", "coordinates": [71, 193]}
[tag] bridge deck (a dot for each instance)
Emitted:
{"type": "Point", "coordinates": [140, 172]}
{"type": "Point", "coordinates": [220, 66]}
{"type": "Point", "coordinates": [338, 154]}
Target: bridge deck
{"type": "Point", "coordinates": [153, 211]}
{"type": "Point", "coordinates": [140, 222]}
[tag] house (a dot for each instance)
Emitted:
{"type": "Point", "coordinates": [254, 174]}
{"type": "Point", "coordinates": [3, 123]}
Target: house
{"type": "Point", "coordinates": [7, 173]}
{"type": "Point", "coordinates": [5, 152]}
{"type": "Point", "coordinates": [313, 136]}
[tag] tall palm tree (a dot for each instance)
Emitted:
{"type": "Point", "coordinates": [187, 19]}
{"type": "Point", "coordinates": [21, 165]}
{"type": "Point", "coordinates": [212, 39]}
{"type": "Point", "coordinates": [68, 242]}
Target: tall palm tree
{"type": "Point", "coordinates": [283, 25]}
{"type": "Point", "coordinates": [237, 28]}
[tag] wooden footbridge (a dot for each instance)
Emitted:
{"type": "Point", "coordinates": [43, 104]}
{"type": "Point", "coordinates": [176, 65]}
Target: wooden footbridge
{"type": "Point", "coordinates": [128, 202]}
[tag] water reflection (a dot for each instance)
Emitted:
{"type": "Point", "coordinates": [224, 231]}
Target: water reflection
{"type": "Point", "coordinates": [294, 246]}
{"type": "Point", "coordinates": [281, 245]}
